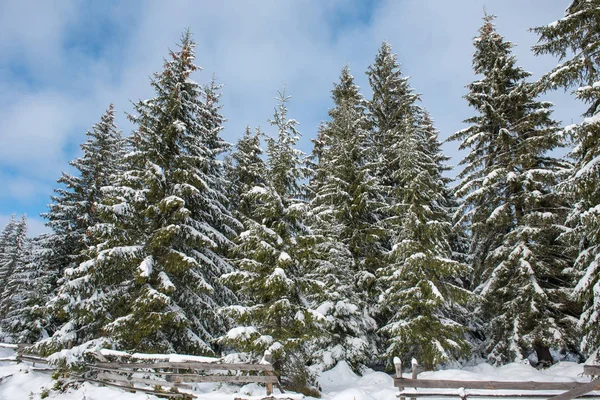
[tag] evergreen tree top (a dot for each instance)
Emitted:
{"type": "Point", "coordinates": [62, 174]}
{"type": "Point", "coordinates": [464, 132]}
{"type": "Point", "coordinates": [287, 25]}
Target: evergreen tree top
{"type": "Point", "coordinates": [286, 162]}
{"type": "Point", "coordinates": [393, 98]}
{"type": "Point", "coordinates": [346, 90]}
{"type": "Point", "coordinates": [248, 169]}
{"type": "Point", "coordinates": [575, 40]}
{"type": "Point", "coordinates": [493, 54]}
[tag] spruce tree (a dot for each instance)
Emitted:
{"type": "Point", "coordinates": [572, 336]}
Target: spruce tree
{"type": "Point", "coordinates": [246, 171]}
{"type": "Point", "coordinates": [275, 315]}
{"type": "Point", "coordinates": [392, 111]}
{"type": "Point", "coordinates": [152, 282]}
{"type": "Point", "coordinates": [74, 211]}
{"type": "Point", "coordinates": [285, 161]}
{"type": "Point", "coordinates": [13, 245]}
{"type": "Point", "coordinates": [575, 40]}
{"type": "Point", "coordinates": [24, 296]}
{"type": "Point", "coordinates": [343, 228]}
{"type": "Point", "coordinates": [14, 274]}
{"type": "Point", "coordinates": [74, 208]}
{"type": "Point", "coordinates": [423, 295]}
{"type": "Point", "coordinates": [392, 104]}
{"type": "Point", "coordinates": [514, 212]}
{"type": "Point", "coordinates": [7, 249]}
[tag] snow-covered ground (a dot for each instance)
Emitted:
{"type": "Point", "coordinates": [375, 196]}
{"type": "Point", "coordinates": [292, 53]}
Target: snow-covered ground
{"type": "Point", "coordinates": [340, 383]}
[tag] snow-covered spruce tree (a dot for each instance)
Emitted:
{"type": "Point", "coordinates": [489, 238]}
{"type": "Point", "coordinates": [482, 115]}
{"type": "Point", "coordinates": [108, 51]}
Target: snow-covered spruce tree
{"type": "Point", "coordinates": [27, 289]}
{"type": "Point", "coordinates": [286, 162]}
{"type": "Point", "coordinates": [459, 240]}
{"type": "Point", "coordinates": [423, 294]}
{"type": "Point", "coordinates": [17, 273]}
{"type": "Point", "coordinates": [152, 281]}
{"type": "Point", "coordinates": [275, 315]}
{"type": "Point", "coordinates": [392, 102]}
{"type": "Point", "coordinates": [74, 207]}
{"type": "Point", "coordinates": [7, 248]}
{"type": "Point", "coordinates": [13, 255]}
{"type": "Point", "coordinates": [575, 39]}
{"type": "Point", "coordinates": [514, 212]}
{"type": "Point", "coordinates": [246, 171]}
{"type": "Point", "coordinates": [390, 109]}
{"type": "Point", "coordinates": [343, 229]}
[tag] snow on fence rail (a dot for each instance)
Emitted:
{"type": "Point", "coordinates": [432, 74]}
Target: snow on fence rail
{"type": "Point", "coordinates": [169, 373]}
{"type": "Point", "coordinates": [484, 388]}
{"type": "Point", "coordinates": [158, 371]}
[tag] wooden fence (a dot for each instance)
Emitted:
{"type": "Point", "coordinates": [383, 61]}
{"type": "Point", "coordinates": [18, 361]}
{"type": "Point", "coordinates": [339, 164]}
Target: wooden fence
{"type": "Point", "coordinates": [162, 378]}
{"type": "Point", "coordinates": [465, 389]}
{"type": "Point", "coordinates": [178, 374]}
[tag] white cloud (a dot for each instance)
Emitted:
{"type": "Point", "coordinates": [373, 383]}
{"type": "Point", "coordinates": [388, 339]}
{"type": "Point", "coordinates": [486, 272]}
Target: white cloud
{"type": "Point", "coordinates": [32, 32]}
{"type": "Point", "coordinates": [35, 130]}
{"type": "Point", "coordinates": [253, 47]}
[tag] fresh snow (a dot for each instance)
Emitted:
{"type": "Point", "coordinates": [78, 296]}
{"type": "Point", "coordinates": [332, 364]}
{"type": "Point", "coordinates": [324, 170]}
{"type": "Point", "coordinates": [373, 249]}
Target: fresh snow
{"type": "Point", "coordinates": [146, 267]}
{"type": "Point", "coordinates": [244, 332]}
{"type": "Point", "coordinates": [284, 257]}
{"type": "Point", "coordinates": [22, 382]}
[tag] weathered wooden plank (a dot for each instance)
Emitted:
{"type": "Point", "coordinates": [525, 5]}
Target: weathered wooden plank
{"type": "Point", "coordinates": [593, 370]}
{"type": "Point", "coordinates": [508, 385]}
{"type": "Point", "coordinates": [131, 379]}
{"type": "Point", "coordinates": [92, 366]}
{"type": "Point", "coordinates": [188, 365]}
{"type": "Point", "coordinates": [181, 378]}
{"type": "Point", "coordinates": [29, 358]}
{"type": "Point", "coordinates": [164, 394]}
{"type": "Point", "coordinates": [221, 378]}
{"type": "Point", "coordinates": [195, 378]}
{"type": "Point", "coordinates": [43, 370]}
{"type": "Point", "coordinates": [577, 392]}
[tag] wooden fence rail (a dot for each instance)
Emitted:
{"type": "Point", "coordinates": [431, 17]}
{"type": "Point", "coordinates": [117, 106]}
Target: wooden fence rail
{"type": "Point", "coordinates": [571, 389]}
{"type": "Point", "coordinates": [156, 376]}
{"type": "Point", "coordinates": [169, 375]}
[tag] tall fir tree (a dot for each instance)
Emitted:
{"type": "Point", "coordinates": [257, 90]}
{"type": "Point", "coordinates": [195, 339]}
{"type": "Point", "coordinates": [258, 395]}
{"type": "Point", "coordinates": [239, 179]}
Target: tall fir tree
{"type": "Point", "coordinates": [343, 228]}
{"type": "Point", "coordinates": [275, 315]}
{"type": "Point", "coordinates": [423, 297]}
{"type": "Point", "coordinates": [19, 294]}
{"type": "Point", "coordinates": [246, 171]}
{"type": "Point", "coordinates": [152, 281]}
{"type": "Point", "coordinates": [575, 39]}
{"type": "Point", "coordinates": [75, 208]}
{"type": "Point", "coordinates": [14, 246]}
{"type": "Point", "coordinates": [391, 111]}
{"type": "Point", "coordinates": [514, 212]}
{"type": "Point", "coordinates": [286, 162]}
{"type": "Point", "coordinates": [7, 248]}
{"type": "Point", "coordinates": [25, 294]}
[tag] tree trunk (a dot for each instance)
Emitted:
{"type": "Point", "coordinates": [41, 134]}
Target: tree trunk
{"type": "Point", "coordinates": [543, 355]}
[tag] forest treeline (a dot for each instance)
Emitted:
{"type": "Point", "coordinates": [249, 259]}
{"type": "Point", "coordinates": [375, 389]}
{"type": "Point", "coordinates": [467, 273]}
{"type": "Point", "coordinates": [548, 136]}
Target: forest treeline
{"type": "Point", "coordinates": [172, 240]}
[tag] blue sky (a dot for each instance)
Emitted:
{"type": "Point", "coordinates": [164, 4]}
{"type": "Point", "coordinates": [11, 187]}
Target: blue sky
{"type": "Point", "coordinates": [62, 62]}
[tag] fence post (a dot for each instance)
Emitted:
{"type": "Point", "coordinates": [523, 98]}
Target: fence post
{"type": "Point", "coordinates": [415, 364]}
{"type": "Point", "coordinates": [268, 358]}
{"type": "Point", "coordinates": [398, 366]}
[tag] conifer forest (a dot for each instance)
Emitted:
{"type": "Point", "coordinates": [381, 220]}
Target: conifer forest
{"type": "Point", "coordinates": [168, 239]}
